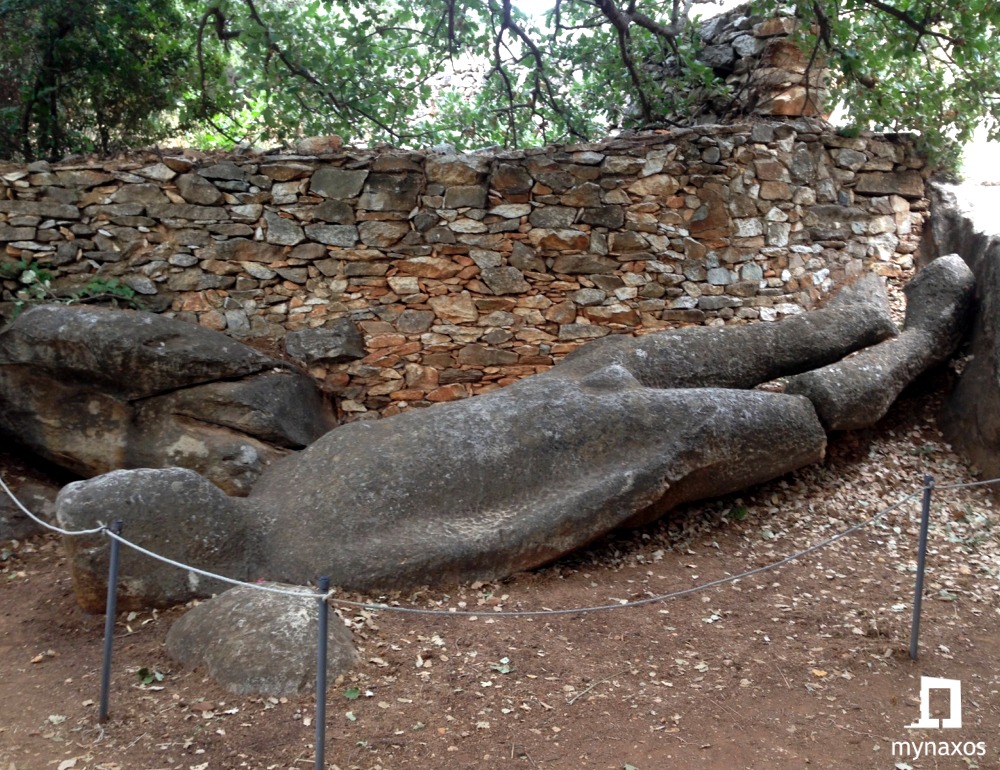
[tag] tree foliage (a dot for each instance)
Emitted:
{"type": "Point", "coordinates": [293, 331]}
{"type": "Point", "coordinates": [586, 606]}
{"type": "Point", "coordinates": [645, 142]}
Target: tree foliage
{"type": "Point", "coordinates": [80, 75]}
{"type": "Point", "coordinates": [90, 75]}
{"type": "Point", "coordinates": [929, 66]}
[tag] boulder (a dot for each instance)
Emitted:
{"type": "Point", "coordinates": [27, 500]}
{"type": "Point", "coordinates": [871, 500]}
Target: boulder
{"type": "Point", "coordinates": [963, 221]}
{"type": "Point", "coordinates": [173, 511]}
{"type": "Point", "coordinates": [256, 642]}
{"type": "Point", "coordinates": [858, 391]}
{"type": "Point", "coordinates": [94, 390]}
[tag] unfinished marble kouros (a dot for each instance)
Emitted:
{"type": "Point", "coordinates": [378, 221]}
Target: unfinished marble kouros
{"type": "Point", "coordinates": [616, 435]}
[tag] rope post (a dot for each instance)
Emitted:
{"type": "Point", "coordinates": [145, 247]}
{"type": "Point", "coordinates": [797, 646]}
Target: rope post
{"type": "Point", "coordinates": [324, 620]}
{"type": "Point", "coordinates": [110, 610]}
{"type": "Point", "coordinates": [918, 592]}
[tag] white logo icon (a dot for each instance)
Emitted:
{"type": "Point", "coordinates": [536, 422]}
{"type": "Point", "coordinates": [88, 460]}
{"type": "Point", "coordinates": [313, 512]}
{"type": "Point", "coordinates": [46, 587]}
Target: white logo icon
{"type": "Point", "coordinates": [954, 687]}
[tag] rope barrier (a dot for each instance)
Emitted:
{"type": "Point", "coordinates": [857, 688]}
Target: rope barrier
{"type": "Point", "coordinates": [298, 594]}
{"type": "Point", "coordinates": [968, 484]}
{"type": "Point", "coordinates": [325, 596]}
{"type": "Point", "coordinates": [42, 522]}
{"type": "Point", "coordinates": [381, 607]}
{"type": "Point", "coordinates": [637, 602]}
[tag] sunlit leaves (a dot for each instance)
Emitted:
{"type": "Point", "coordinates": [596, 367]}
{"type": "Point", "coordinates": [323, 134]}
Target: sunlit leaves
{"type": "Point", "coordinates": [929, 66]}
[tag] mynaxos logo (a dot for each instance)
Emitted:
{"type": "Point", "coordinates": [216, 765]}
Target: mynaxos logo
{"type": "Point", "coordinates": [917, 749]}
{"type": "Point", "coordinates": [954, 688]}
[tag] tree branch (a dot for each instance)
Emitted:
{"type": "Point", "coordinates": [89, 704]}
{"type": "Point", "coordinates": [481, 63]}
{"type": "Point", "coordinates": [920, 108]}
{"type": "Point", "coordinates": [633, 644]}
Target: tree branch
{"type": "Point", "coordinates": [541, 76]}
{"type": "Point", "coordinates": [920, 27]}
{"type": "Point", "coordinates": [621, 22]}
{"type": "Point", "coordinates": [322, 89]}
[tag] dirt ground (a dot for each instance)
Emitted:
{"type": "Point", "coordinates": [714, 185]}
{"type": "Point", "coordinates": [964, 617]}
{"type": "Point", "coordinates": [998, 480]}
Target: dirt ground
{"type": "Point", "coordinates": [803, 666]}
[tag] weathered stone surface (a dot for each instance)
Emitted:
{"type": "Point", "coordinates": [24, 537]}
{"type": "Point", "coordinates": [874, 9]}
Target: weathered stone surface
{"type": "Point", "coordinates": [604, 216]}
{"type": "Point", "coordinates": [743, 356]}
{"type": "Point", "coordinates": [333, 235]}
{"type": "Point", "coordinates": [660, 185]}
{"type": "Point", "coordinates": [537, 218]}
{"type": "Point", "coordinates": [226, 170]}
{"type": "Point", "coordinates": [96, 390]}
{"type": "Point", "coordinates": [639, 449]}
{"type": "Point", "coordinates": [457, 169]}
{"type": "Point", "coordinates": [382, 234]}
{"type": "Point", "coordinates": [964, 221]}
{"type": "Point", "coordinates": [281, 231]}
{"type": "Point", "coordinates": [390, 192]}
{"type": "Point", "coordinates": [718, 57]}
{"type": "Point", "coordinates": [455, 308]}
{"type": "Point", "coordinates": [615, 435]}
{"type": "Point", "coordinates": [505, 280]}
{"type": "Point", "coordinates": [187, 211]}
{"type": "Point", "coordinates": [334, 212]}
{"type": "Point", "coordinates": [8, 233]}
{"type": "Point", "coordinates": [40, 209]}
{"type": "Point", "coordinates": [831, 221]}
{"type": "Point", "coordinates": [254, 642]}
{"type": "Point", "coordinates": [194, 188]}
{"type": "Point", "coordinates": [286, 171]}
{"type": "Point", "coordinates": [337, 183]}
{"type": "Point", "coordinates": [139, 193]}
{"type": "Point", "coordinates": [333, 344]}
{"type": "Point", "coordinates": [858, 391]}
{"type": "Point", "coordinates": [245, 250]}
{"type": "Point", "coordinates": [908, 184]}
{"type": "Point", "coordinates": [559, 240]}
{"type": "Point", "coordinates": [37, 497]}
{"type": "Point", "coordinates": [158, 171]}
{"type": "Point", "coordinates": [460, 196]}
{"type": "Point", "coordinates": [83, 178]}
{"type": "Point", "coordinates": [318, 145]}
{"type": "Point", "coordinates": [552, 216]}
{"type": "Point", "coordinates": [511, 179]}
{"type": "Point", "coordinates": [586, 194]}
{"type": "Point", "coordinates": [429, 267]}
{"type": "Point", "coordinates": [174, 510]}
{"type": "Point", "coordinates": [576, 264]}
{"type": "Point", "coordinates": [628, 405]}
{"type": "Point", "coordinates": [483, 355]}
{"type": "Point", "coordinates": [415, 321]}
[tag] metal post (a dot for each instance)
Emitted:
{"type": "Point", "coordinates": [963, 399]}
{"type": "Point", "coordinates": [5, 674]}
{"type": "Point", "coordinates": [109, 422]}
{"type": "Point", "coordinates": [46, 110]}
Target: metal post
{"type": "Point", "coordinates": [918, 593]}
{"type": "Point", "coordinates": [110, 610]}
{"type": "Point", "coordinates": [324, 619]}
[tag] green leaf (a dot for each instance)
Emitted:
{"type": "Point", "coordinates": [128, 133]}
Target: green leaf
{"type": "Point", "coordinates": [352, 693]}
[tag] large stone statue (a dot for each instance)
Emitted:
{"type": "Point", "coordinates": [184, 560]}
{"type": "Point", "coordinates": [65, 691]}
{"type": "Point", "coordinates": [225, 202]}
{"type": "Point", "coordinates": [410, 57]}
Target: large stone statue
{"type": "Point", "coordinates": [617, 434]}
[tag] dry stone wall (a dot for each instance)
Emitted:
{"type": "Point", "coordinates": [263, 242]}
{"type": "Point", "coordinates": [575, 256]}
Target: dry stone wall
{"type": "Point", "coordinates": [438, 276]}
